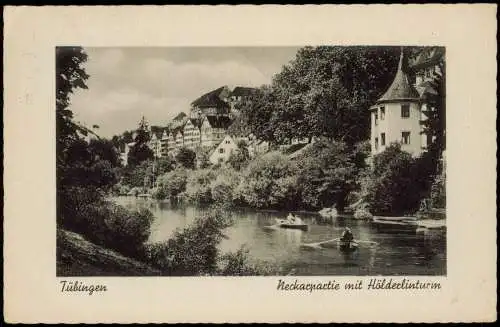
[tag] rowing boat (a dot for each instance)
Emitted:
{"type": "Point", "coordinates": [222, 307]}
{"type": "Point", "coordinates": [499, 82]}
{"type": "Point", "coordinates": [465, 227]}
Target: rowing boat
{"type": "Point", "coordinates": [336, 243]}
{"type": "Point", "coordinates": [284, 223]}
{"type": "Point", "coordinates": [396, 224]}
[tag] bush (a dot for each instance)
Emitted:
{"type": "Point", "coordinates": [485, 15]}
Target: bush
{"type": "Point", "coordinates": [186, 158]}
{"type": "Point", "coordinates": [172, 184]}
{"type": "Point", "coordinates": [127, 230]}
{"type": "Point", "coordinates": [238, 264]}
{"type": "Point", "coordinates": [438, 192]}
{"type": "Point", "coordinates": [106, 223]}
{"type": "Point", "coordinates": [362, 213]}
{"type": "Point", "coordinates": [198, 188]}
{"type": "Point", "coordinates": [192, 250]}
{"type": "Point", "coordinates": [222, 188]}
{"type": "Point", "coordinates": [269, 182]}
{"type": "Point", "coordinates": [327, 173]}
{"type": "Point", "coordinates": [392, 188]}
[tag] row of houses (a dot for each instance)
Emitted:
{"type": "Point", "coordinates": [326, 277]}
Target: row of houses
{"type": "Point", "coordinates": [205, 127]}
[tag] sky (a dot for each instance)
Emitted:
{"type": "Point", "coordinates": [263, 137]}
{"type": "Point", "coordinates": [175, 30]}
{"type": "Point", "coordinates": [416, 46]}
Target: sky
{"type": "Point", "coordinates": [159, 83]}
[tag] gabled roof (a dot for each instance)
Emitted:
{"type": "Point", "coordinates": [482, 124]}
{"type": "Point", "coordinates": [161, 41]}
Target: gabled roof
{"type": "Point", "coordinates": [243, 91]}
{"type": "Point", "coordinates": [400, 89]}
{"type": "Point", "coordinates": [218, 121]}
{"type": "Point", "coordinates": [179, 117]}
{"type": "Point", "coordinates": [212, 99]}
{"type": "Point", "coordinates": [196, 122]}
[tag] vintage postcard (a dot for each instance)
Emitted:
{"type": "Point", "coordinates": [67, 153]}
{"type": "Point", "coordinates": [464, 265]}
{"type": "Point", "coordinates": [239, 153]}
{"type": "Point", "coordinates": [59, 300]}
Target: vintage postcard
{"type": "Point", "coordinates": [188, 163]}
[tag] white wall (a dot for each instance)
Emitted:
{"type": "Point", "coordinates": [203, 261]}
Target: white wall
{"type": "Point", "coordinates": [393, 125]}
{"type": "Point", "coordinates": [226, 148]}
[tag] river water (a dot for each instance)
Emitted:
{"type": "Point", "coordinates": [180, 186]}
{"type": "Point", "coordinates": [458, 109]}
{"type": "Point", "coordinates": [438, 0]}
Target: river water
{"type": "Point", "coordinates": [393, 253]}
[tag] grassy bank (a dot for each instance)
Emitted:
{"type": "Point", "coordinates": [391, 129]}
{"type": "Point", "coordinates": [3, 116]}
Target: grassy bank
{"type": "Point", "coordinates": [77, 256]}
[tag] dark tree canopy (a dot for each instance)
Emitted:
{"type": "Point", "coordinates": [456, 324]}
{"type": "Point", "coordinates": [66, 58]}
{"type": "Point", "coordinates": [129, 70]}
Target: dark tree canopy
{"type": "Point", "coordinates": [70, 75]}
{"type": "Point", "coordinates": [324, 91]}
{"type": "Point", "coordinates": [140, 151]}
{"type": "Point", "coordinates": [186, 157]}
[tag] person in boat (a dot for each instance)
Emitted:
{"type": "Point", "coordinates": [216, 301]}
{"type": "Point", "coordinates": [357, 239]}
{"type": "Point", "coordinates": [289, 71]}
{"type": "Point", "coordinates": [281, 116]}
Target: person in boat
{"type": "Point", "coordinates": [292, 219]}
{"type": "Point", "coordinates": [347, 237]}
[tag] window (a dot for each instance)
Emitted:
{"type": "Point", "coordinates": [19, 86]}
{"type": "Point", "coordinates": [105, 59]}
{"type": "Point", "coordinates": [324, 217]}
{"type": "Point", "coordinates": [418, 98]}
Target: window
{"type": "Point", "coordinates": [382, 139]}
{"type": "Point", "coordinates": [376, 143]}
{"type": "Point", "coordinates": [375, 115]}
{"type": "Point", "coordinates": [405, 137]}
{"type": "Point", "coordinates": [382, 113]}
{"type": "Point", "coordinates": [221, 150]}
{"type": "Point", "coordinates": [428, 139]}
{"type": "Point", "coordinates": [227, 142]}
{"type": "Point", "coordinates": [405, 111]}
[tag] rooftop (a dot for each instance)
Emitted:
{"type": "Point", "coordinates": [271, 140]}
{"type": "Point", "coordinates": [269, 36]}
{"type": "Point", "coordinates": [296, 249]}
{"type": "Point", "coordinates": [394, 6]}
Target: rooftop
{"type": "Point", "coordinates": [219, 121]}
{"type": "Point", "coordinates": [400, 89]}
{"type": "Point", "coordinates": [243, 91]}
{"type": "Point", "coordinates": [212, 98]}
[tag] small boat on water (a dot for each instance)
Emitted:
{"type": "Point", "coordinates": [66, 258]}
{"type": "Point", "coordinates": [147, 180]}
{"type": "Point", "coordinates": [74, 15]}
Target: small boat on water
{"type": "Point", "coordinates": [336, 243]}
{"type": "Point", "coordinates": [144, 195]}
{"type": "Point", "coordinates": [395, 224]}
{"type": "Point", "coordinates": [285, 223]}
{"type": "Point", "coordinates": [348, 247]}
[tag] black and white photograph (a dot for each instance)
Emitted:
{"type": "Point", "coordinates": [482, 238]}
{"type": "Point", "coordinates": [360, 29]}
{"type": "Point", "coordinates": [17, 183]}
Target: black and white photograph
{"type": "Point", "coordinates": [251, 161]}
{"type": "Point", "coordinates": [183, 164]}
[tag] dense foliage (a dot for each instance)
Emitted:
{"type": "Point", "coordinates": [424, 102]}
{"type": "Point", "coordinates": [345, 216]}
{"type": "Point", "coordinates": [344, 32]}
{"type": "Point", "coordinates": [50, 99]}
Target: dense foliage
{"type": "Point", "coordinates": [186, 158]}
{"type": "Point", "coordinates": [324, 91]}
{"type": "Point", "coordinates": [140, 150]}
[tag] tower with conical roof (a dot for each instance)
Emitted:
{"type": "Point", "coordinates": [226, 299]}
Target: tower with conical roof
{"type": "Point", "coordinates": [395, 117]}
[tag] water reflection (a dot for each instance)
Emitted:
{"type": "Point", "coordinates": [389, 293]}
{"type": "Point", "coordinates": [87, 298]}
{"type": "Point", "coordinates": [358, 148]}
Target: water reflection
{"type": "Point", "coordinates": [389, 254]}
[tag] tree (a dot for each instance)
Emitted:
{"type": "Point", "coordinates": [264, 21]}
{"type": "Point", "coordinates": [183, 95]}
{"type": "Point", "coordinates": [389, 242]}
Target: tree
{"type": "Point", "coordinates": [435, 99]}
{"type": "Point", "coordinates": [324, 91]}
{"type": "Point", "coordinates": [239, 157]}
{"type": "Point", "coordinates": [103, 149]}
{"type": "Point", "coordinates": [173, 183]}
{"type": "Point", "coordinates": [269, 181]}
{"type": "Point", "coordinates": [140, 151]}
{"type": "Point", "coordinates": [70, 75]}
{"type": "Point", "coordinates": [164, 165]}
{"type": "Point", "coordinates": [256, 114]}
{"type": "Point", "coordinates": [186, 157]}
{"type": "Point", "coordinates": [327, 173]}
{"type": "Point", "coordinates": [392, 187]}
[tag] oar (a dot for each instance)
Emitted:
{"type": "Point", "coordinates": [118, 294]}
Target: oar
{"type": "Point", "coordinates": [317, 245]}
{"type": "Point", "coordinates": [370, 242]}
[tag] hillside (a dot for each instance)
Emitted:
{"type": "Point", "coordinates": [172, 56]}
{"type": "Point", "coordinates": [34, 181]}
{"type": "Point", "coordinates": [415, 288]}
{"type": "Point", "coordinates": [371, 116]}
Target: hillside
{"type": "Point", "coordinates": [78, 257]}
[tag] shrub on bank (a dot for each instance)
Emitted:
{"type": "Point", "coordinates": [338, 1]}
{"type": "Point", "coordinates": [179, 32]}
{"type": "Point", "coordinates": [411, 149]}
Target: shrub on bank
{"type": "Point", "coordinates": [172, 184]}
{"type": "Point", "coordinates": [198, 188]}
{"type": "Point", "coordinates": [105, 223]}
{"type": "Point", "coordinates": [192, 250]}
{"type": "Point", "coordinates": [238, 264]}
{"type": "Point", "coordinates": [269, 182]}
{"type": "Point", "coordinates": [391, 187]}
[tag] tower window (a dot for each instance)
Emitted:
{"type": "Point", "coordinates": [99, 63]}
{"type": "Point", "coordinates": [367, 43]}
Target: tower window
{"type": "Point", "coordinates": [405, 111]}
{"type": "Point", "coordinates": [376, 143]}
{"type": "Point", "coordinates": [405, 137]}
{"type": "Point", "coordinates": [428, 139]}
{"type": "Point", "coordinates": [382, 113]}
{"type": "Point", "coordinates": [375, 115]}
{"type": "Point", "coordinates": [221, 150]}
{"type": "Point", "coordinates": [382, 139]}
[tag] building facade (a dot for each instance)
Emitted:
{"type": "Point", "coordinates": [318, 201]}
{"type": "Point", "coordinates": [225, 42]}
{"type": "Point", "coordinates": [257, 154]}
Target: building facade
{"type": "Point", "coordinates": [192, 134]}
{"type": "Point", "coordinates": [396, 117]}
{"type": "Point", "coordinates": [223, 151]}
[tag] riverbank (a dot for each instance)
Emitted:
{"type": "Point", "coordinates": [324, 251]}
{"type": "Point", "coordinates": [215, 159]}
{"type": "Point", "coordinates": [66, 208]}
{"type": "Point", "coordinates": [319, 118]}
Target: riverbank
{"type": "Point", "coordinates": [76, 256]}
